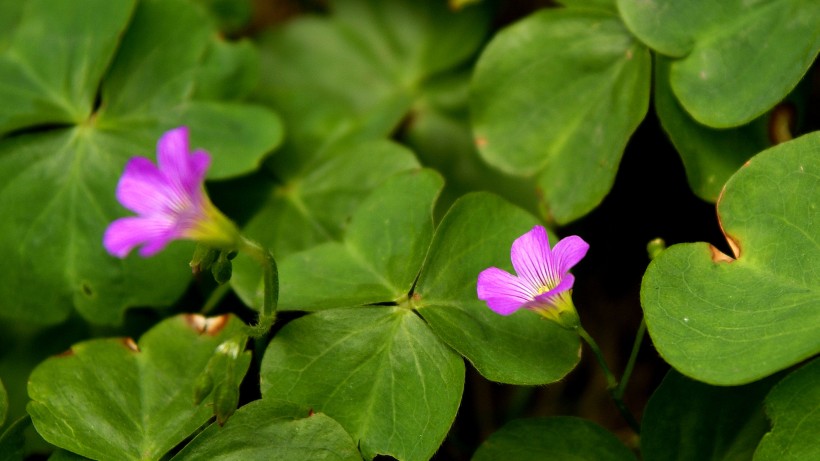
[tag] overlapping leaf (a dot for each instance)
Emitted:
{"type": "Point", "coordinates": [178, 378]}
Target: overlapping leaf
{"type": "Point", "coordinates": [379, 371]}
{"type": "Point", "coordinates": [709, 155]}
{"type": "Point", "coordinates": [380, 256]}
{"type": "Point", "coordinates": [558, 95]}
{"type": "Point", "coordinates": [59, 174]}
{"type": "Point", "coordinates": [313, 204]}
{"type": "Point", "coordinates": [263, 431]}
{"type": "Point", "coordinates": [686, 419]}
{"type": "Point", "coordinates": [552, 438]}
{"type": "Point", "coordinates": [523, 348]}
{"type": "Point", "coordinates": [358, 71]}
{"type": "Point", "coordinates": [793, 407]}
{"type": "Point", "coordinates": [731, 321]}
{"type": "Point", "coordinates": [735, 59]}
{"type": "Point", "coordinates": [114, 399]}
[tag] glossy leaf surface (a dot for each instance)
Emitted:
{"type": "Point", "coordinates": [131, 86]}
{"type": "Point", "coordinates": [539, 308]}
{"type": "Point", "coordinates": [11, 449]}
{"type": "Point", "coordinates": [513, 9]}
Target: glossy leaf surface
{"type": "Point", "coordinates": [116, 399]}
{"type": "Point", "coordinates": [731, 321]}
{"type": "Point", "coordinates": [793, 407]}
{"type": "Point", "coordinates": [552, 438]}
{"type": "Point", "coordinates": [564, 113]}
{"type": "Point", "coordinates": [685, 420]}
{"type": "Point", "coordinates": [58, 173]}
{"type": "Point", "coordinates": [262, 431]}
{"type": "Point", "coordinates": [720, 76]}
{"type": "Point", "coordinates": [379, 371]}
{"type": "Point", "coordinates": [521, 348]}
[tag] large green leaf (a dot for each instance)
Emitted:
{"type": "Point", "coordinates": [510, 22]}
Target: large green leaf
{"type": "Point", "coordinates": [558, 94]}
{"type": "Point", "coordinates": [523, 348]}
{"type": "Point", "coordinates": [562, 437]}
{"type": "Point", "coordinates": [380, 256]}
{"type": "Point", "coordinates": [688, 420]}
{"type": "Point", "coordinates": [793, 407]}
{"type": "Point", "coordinates": [709, 155]}
{"type": "Point", "coordinates": [114, 399]}
{"type": "Point", "coordinates": [57, 55]}
{"type": "Point", "coordinates": [57, 182]}
{"type": "Point", "coordinates": [379, 371]}
{"type": "Point", "coordinates": [260, 431]}
{"type": "Point", "coordinates": [312, 204]}
{"type": "Point", "coordinates": [731, 321]}
{"type": "Point", "coordinates": [737, 59]}
{"type": "Point", "coordinates": [358, 71]}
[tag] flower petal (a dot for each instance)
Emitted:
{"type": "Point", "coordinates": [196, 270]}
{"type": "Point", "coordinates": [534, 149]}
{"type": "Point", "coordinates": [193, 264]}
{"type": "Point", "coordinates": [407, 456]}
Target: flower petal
{"type": "Point", "coordinates": [124, 234]}
{"type": "Point", "coordinates": [532, 259]}
{"type": "Point", "coordinates": [568, 252]}
{"type": "Point", "coordinates": [503, 292]}
{"type": "Point", "coordinates": [142, 187]}
{"type": "Point", "coordinates": [185, 172]}
{"type": "Point", "coordinates": [566, 284]}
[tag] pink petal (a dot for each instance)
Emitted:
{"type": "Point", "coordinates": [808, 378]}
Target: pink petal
{"type": "Point", "coordinates": [532, 259]}
{"type": "Point", "coordinates": [503, 292]}
{"type": "Point", "coordinates": [568, 252]}
{"type": "Point", "coordinates": [186, 170]}
{"type": "Point", "coordinates": [565, 284]}
{"type": "Point", "coordinates": [142, 188]}
{"type": "Point", "coordinates": [124, 234]}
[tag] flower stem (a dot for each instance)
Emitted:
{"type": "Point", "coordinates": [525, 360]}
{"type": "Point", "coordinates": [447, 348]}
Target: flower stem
{"type": "Point", "coordinates": [270, 276]}
{"type": "Point", "coordinates": [633, 356]}
{"type": "Point", "coordinates": [611, 382]}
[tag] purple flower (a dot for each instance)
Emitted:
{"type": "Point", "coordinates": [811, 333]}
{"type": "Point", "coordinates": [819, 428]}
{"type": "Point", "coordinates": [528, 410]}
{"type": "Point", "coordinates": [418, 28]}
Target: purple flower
{"type": "Point", "coordinates": [170, 201]}
{"type": "Point", "coordinates": [543, 283]}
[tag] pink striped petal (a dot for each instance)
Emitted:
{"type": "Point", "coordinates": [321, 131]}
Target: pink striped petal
{"type": "Point", "coordinates": [503, 292]}
{"type": "Point", "coordinates": [532, 259]}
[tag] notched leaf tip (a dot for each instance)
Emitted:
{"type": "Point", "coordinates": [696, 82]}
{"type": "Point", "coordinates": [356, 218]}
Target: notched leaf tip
{"type": "Point", "coordinates": [206, 325]}
{"type": "Point", "coordinates": [130, 344]}
{"type": "Point", "coordinates": [719, 256]}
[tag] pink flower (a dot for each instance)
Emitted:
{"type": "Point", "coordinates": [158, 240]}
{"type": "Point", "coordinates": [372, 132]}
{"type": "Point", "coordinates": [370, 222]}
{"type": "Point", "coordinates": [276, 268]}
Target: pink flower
{"type": "Point", "coordinates": [170, 201]}
{"type": "Point", "coordinates": [543, 282]}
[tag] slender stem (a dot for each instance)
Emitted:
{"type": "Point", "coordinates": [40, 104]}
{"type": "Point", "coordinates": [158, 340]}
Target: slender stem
{"type": "Point", "coordinates": [213, 299]}
{"type": "Point", "coordinates": [270, 277]}
{"type": "Point", "coordinates": [633, 356]}
{"type": "Point", "coordinates": [611, 382]}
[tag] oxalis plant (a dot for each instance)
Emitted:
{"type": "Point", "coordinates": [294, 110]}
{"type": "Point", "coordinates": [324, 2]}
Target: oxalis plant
{"type": "Point", "coordinates": [298, 230]}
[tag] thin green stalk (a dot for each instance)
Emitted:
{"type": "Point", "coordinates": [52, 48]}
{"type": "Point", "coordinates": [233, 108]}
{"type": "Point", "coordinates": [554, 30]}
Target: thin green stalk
{"type": "Point", "coordinates": [213, 300]}
{"type": "Point", "coordinates": [612, 383]}
{"type": "Point", "coordinates": [633, 356]}
{"type": "Point", "coordinates": [270, 276]}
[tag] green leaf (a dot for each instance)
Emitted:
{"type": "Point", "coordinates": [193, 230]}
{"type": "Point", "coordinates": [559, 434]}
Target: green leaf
{"type": "Point", "coordinates": [379, 371]}
{"type": "Point", "coordinates": [608, 5]}
{"type": "Point", "coordinates": [709, 155]}
{"type": "Point", "coordinates": [372, 63]}
{"type": "Point", "coordinates": [56, 57]}
{"type": "Point", "coordinates": [559, 437]}
{"type": "Point", "coordinates": [114, 399]}
{"type": "Point", "coordinates": [794, 409]}
{"type": "Point", "coordinates": [380, 256]}
{"type": "Point", "coordinates": [687, 420]}
{"type": "Point", "coordinates": [12, 440]}
{"type": "Point", "coordinates": [236, 135]}
{"type": "Point", "coordinates": [558, 95]}
{"type": "Point", "coordinates": [311, 204]}
{"type": "Point", "coordinates": [522, 348]}
{"type": "Point", "coordinates": [57, 183]}
{"type": "Point", "coordinates": [260, 431]}
{"type": "Point", "coordinates": [731, 321]}
{"type": "Point", "coordinates": [230, 70]}
{"type": "Point", "coordinates": [719, 76]}
{"type": "Point", "coordinates": [157, 63]}
{"type": "Point", "coordinates": [57, 197]}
